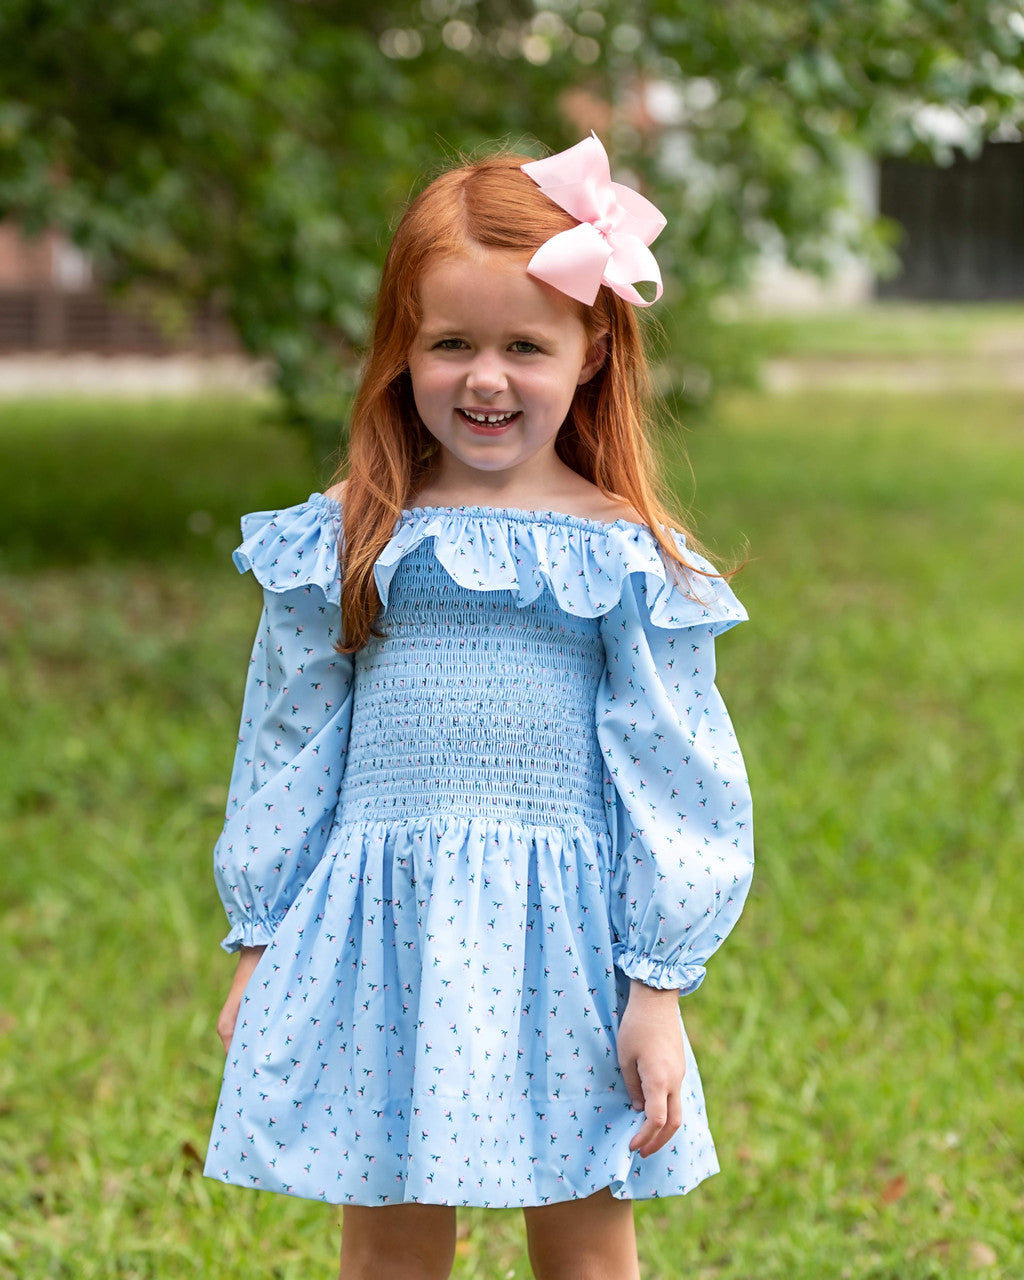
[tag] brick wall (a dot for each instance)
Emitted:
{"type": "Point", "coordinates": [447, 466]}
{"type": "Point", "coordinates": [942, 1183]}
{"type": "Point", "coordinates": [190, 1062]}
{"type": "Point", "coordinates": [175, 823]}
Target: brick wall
{"type": "Point", "coordinates": [49, 302]}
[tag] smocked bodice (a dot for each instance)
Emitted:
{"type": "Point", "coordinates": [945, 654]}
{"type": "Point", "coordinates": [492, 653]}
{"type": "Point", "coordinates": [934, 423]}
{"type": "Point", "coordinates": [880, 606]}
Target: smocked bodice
{"type": "Point", "coordinates": [474, 705]}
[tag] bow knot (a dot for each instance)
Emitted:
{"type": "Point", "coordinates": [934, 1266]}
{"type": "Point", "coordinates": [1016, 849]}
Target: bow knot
{"type": "Point", "coordinates": [616, 224]}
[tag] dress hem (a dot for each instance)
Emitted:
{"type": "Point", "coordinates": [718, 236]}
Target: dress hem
{"type": "Point", "coordinates": [619, 1189]}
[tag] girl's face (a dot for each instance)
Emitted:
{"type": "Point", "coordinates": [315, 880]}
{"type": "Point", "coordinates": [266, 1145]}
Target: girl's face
{"type": "Point", "coordinates": [495, 364]}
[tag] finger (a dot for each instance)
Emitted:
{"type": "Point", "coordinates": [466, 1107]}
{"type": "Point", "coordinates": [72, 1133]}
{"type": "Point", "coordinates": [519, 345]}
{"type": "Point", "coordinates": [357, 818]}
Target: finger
{"type": "Point", "coordinates": [656, 1107]}
{"type": "Point", "coordinates": [673, 1119]}
{"type": "Point", "coordinates": [634, 1088]}
{"type": "Point", "coordinates": [226, 1031]}
{"type": "Point", "coordinates": [675, 1109]}
{"type": "Point", "coordinates": [644, 1135]}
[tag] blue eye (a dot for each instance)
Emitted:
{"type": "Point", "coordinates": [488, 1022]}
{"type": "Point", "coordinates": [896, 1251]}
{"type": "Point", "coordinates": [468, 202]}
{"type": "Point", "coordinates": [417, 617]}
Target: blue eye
{"type": "Point", "coordinates": [524, 348]}
{"type": "Point", "coordinates": [449, 344]}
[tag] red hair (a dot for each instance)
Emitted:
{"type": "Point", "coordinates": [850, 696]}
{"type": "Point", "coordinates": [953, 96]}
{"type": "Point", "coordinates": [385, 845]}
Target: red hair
{"type": "Point", "coordinates": [489, 204]}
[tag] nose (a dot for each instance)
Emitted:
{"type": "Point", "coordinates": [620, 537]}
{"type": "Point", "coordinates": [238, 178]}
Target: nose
{"type": "Point", "coordinates": [486, 376]}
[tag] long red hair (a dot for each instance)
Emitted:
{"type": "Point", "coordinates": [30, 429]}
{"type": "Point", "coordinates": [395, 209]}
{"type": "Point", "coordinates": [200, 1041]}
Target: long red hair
{"type": "Point", "coordinates": [391, 455]}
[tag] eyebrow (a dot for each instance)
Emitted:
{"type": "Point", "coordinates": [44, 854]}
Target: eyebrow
{"type": "Point", "coordinates": [535, 333]}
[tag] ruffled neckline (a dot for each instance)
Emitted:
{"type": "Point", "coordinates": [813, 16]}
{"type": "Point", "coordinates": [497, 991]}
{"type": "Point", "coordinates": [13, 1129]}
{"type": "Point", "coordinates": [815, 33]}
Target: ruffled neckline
{"type": "Point", "coordinates": [527, 515]}
{"type": "Point", "coordinates": [584, 562]}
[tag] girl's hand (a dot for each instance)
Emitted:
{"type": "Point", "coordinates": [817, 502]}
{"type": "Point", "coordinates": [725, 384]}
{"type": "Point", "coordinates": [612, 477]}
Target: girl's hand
{"type": "Point", "coordinates": [653, 1064]}
{"type": "Point", "coordinates": [248, 958]}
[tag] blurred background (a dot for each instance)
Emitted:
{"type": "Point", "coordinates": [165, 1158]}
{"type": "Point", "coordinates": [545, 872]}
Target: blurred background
{"type": "Point", "coordinates": [195, 200]}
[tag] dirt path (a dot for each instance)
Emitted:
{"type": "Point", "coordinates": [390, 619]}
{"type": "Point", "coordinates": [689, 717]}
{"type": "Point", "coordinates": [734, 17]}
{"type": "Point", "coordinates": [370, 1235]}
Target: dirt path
{"type": "Point", "coordinates": [996, 359]}
{"type": "Point", "coordinates": [909, 374]}
{"type": "Point", "coordinates": [93, 375]}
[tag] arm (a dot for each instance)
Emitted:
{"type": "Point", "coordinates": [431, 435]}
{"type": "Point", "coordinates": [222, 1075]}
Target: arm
{"type": "Point", "coordinates": [679, 815]}
{"type": "Point", "coordinates": [293, 737]}
{"type": "Point", "coordinates": [288, 766]}
{"type": "Point", "coordinates": [289, 763]}
{"type": "Point", "coordinates": [677, 797]}
{"type": "Point", "coordinates": [653, 1064]}
{"type": "Point", "coordinates": [248, 959]}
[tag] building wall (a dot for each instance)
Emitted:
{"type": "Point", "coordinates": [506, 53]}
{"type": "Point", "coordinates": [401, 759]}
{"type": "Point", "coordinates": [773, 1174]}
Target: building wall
{"type": "Point", "coordinates": [963, 225]}
{"type": "Point", "coordinates": [50, 302]}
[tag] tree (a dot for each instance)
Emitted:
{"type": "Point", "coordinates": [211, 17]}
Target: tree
{"type": "Point", "coordinates": [253, 152]}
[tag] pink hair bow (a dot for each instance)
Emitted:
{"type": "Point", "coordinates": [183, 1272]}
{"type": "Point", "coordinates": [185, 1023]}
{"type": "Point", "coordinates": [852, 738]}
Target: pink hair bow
{"type": "Point", "coordinates": [616, 224]}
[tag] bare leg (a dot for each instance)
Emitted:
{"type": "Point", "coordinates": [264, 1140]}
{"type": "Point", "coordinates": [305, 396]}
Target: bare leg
{"type": "Point", "coordinates": [591, 1239]}
{"type": "Point", "coordinates": [397, 1242]}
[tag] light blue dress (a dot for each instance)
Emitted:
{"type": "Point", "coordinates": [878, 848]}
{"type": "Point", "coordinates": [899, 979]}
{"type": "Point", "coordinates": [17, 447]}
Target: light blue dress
{"type": "Point", "coordinates": [459, 845]}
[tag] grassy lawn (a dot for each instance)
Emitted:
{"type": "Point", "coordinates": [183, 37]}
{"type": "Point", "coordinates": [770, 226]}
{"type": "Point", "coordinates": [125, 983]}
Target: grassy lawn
{"type": "Point", "coordinates": [860, 1036]}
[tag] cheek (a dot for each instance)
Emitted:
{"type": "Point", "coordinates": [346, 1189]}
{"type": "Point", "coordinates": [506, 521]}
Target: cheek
{"type": "Point", "coordinates": [435, 378]}
{"type": "Point", "coordinates": [560, 390]}
{"type": "Point", "coordinates": [427, 382]}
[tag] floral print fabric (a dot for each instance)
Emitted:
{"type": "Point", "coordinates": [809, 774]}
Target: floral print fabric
{"type": "Point", "coordinates": [459, 845]}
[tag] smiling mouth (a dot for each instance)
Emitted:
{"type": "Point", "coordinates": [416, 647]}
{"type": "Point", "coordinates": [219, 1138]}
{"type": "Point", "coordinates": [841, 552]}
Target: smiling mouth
{"type": "Point", "coordinates": [490, 419]}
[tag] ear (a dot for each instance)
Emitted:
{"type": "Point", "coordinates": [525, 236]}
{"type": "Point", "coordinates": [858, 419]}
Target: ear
{"type": "Point", "coordinates": [597, 354]}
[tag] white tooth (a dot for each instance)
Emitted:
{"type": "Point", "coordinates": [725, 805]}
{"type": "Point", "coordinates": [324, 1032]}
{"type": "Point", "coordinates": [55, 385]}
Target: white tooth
{"type": "Point", "coordinates": [489, 419]}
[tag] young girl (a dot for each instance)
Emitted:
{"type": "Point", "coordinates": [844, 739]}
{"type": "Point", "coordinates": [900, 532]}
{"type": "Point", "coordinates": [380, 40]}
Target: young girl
{"type": "Point", "coordinates": [488, 818]}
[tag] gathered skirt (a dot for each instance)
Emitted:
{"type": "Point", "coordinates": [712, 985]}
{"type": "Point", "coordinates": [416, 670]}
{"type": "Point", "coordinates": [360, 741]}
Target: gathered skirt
{"type": "Point", "coordinates": [435, 1021]}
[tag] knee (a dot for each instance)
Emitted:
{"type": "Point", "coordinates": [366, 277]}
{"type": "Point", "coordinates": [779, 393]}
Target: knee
{"type": "Point", "coordinates": [581, 1262]}
{"type": "Point", "coordinates": [395, 1255]}
{"type": "Point", "coordinates": [397, 1242]}
{"type": "Point", "coordinates": [589, 1239]}
{"type": "Point", "coordinates": [578, 1268]}
{"type": "Point", "coordinates": [394, 1263]}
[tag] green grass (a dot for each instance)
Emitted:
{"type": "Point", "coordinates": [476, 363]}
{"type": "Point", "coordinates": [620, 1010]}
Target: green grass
{"type": "Point", "coordinates": [860, 1035]}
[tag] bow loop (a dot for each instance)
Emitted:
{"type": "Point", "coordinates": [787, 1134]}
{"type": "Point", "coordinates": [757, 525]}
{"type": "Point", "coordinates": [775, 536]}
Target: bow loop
{"type": "Point", "coordinates": [616, 224]}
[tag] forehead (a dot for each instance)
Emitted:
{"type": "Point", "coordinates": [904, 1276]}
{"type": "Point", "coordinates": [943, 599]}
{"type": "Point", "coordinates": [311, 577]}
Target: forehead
{"type": "Point", "coordinates": [487, 286]}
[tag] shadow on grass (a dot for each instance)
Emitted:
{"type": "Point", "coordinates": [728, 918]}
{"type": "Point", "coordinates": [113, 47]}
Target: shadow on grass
{"type": "Point", "coordinates": [89, 481]}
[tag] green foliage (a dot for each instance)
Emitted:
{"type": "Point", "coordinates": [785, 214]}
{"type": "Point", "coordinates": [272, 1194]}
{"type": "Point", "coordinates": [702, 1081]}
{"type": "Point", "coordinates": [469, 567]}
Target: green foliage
{"type": "Point", "coordinates": [253, 152]}
{"type": "Point", "coordinates": [249, 152]}
{"type": "Point", "coordinates": [859, 1035]}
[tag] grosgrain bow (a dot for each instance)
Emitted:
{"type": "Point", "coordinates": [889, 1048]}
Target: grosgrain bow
{"type": "Point", "coordinates": [616, 224]}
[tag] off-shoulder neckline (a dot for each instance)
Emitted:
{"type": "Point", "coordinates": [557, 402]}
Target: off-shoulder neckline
{"type": "Point", "coordinates": [520, 514]}
{"type": "Point", "coordinates": [487, 548]}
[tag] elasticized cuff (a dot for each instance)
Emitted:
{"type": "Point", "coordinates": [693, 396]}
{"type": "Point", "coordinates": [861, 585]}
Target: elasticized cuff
{"type": "Point", "coordinates": [250, 933]}
{"type": "Point", "coordinates": [663, 974]}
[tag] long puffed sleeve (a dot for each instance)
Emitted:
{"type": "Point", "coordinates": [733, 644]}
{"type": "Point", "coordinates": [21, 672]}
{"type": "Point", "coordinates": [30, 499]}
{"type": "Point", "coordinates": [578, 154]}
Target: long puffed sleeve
{"type": "Point", "coordinates": [676, 792]}
{"type": "Point", "coordinates": [296, 714]}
